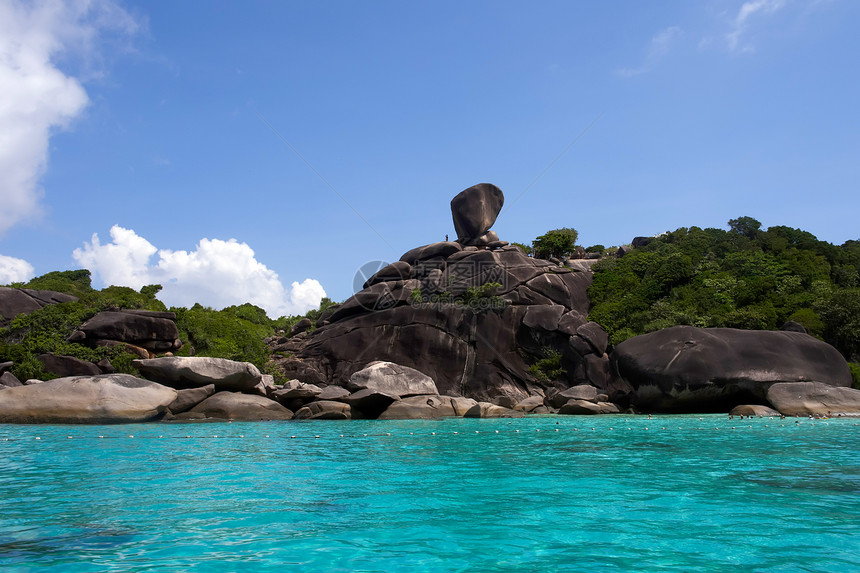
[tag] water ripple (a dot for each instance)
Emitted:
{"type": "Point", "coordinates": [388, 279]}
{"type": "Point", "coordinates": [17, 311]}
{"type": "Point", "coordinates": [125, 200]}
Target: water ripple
{"type": "Point", "coordinates": [536, 494]}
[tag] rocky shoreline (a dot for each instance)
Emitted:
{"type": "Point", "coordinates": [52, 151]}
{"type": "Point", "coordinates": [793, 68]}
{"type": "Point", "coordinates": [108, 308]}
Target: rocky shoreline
{"type": "Point", "coordinates": [470, 328]}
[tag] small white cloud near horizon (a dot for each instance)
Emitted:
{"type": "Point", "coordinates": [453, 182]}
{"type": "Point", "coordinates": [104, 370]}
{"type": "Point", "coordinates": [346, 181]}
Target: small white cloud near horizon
{"type": "Point", "coordinates": [14, 270]}
{"type": "Point", "coordinates": [38, 98]}
{"type": "Point", "coordinates": [658, 47]}
{"type": "Point", "coordinates": [217, 274]}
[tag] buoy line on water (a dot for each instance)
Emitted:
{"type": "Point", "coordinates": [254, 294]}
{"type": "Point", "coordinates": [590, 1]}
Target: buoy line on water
{"type": "Point", "coordinates": [584, 429]}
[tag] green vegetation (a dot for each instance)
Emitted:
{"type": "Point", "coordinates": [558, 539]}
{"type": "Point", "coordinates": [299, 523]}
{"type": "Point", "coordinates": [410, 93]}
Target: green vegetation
{"type": "Point", "coordinates": [855, 375]}
{"type": "Point", "coordinates": [549, 367]}
{"type": "Point", "coordinates": [223, 334]}
{"type": "Point", "coordinates": [236, 332]}
{"type": "Point", "coordinates": [555, 243]}
{"type": "Point", "coordinates": [742, 278]}
{"type": "Point", "coordinates": [47, 329]}
{"type": "Point", "coordinates": [527, 249]}
{"type": "Point", "coordinates": [483, 296]}
{"type": "Point", "coordinates": [480, 297]}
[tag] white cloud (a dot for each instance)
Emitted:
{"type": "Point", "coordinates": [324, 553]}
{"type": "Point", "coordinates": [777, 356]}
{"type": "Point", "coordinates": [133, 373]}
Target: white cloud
{"type": "Point", "coordinates": [37, 98]}
{"type": "Point", "coordinates": [747, 11]}
{"type": "Point", "coordinates": [658, 47]}
{"type": "Point", "coordinates": [14, 270]}
{"type": "Point", "coordinates": [218, 273]}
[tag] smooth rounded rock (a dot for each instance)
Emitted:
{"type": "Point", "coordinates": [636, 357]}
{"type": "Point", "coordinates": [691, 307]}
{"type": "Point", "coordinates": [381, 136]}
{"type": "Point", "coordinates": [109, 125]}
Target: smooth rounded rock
{"type": "Point", "coordinates": [690, 369]}
{"type": "Point", "coordinates": [333, 393]}
{"type": "Point", "coordinates": [580, 392]}
{"type": "Point", "coordinates": [191, 371]}
{"type": "Point", "coordinates": [189, 398]}
{"type": "Point", "coordinates": [102, 399]}
{"type": "Point", "coordinates": [324, 410]}
{"type": "Point", "coordinates": [813, 399]}
{"type": "Point", "coordinates": [753, 410]}
{"type": "Point", "coordinates": [244, 407]}
{"type": "Point", "coordinates": [488, 410]}
{"type": "Point", "coordinates": [420, 407]}
{"type": "Point", "coordinates": [441, 250]}
{"type": "Point", "coordinates": [391, 378]}
{"type": "Point", "coordinates": [64, 366]}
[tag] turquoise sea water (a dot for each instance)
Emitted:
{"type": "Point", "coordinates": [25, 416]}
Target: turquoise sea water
{"type": "Point", "coordinates": [611, 493]}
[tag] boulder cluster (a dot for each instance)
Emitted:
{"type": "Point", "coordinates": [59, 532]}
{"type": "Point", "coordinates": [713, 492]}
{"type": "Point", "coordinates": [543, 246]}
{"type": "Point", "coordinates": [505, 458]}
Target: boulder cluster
{"type": "Point", "coordinates": [142, 333]}
{"type": "Point", "coordinates": [477, 315]}
{"type": "Point", "coordinates": [472, 327]}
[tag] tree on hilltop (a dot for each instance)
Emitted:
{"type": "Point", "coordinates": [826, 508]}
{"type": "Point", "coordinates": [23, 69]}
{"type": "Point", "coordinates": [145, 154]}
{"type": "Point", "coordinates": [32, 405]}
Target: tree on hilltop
{"type": "Point", "coordinates": [555, 243]}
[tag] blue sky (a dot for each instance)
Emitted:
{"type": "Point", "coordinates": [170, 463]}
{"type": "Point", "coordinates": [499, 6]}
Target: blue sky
{"type": "Point", "coordinates": [165, 128]}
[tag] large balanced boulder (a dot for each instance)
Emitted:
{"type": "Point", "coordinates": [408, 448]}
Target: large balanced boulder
{"type": "Point", "coordinates": [690, 369]}
{"type": "Point", "coordinates": [104, 399]}
{"type": "Point", "coordinates": [390, 378]}
{"type": "Point", "coordinates": [813, 399]}
{"type": "Point", "coordinates": [478, 316]}
{"type": "Point", "coordinates": [192, 371]}
{"type": "Point", "coordinates": [241, 407]}
{"type": "Point", "coordinates": [475, 210]}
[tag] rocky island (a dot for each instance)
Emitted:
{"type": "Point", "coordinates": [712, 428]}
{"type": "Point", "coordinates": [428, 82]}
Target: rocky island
{"type": "Point", "coordinates": [473, 327]}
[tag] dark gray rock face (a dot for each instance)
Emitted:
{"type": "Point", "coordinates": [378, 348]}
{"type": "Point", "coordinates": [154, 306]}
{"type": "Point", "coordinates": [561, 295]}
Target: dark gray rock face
{"type": "Point", "coordinates": [697, 370]}
{"type": "Point", "coordinates": [301, 326]}
{"type": "Point", "coordinates": [814, 399]}
{"type": "Point", "coordinates": [103, 399]}
{"type": "Point", "coordinates": [64, 366]}
{"type": "Point", "coordinates": [293, 389]}
{"type": "Point", "coordinates": [9, 380]}
{"type": "Point", "coordinates": [578, 392]}
{"type": "Point", "coordinates": [469, 349]}
{"type": "Point", "coordinates": [192, 371]}
{"type": "Point", "coordinates": [488, 410]}
{"type": "Point", "coordinates": [371, 403]}
{"type": "Point", "coordinates": [443, 250]}
{"type": "Point", "coordinates": [444, 320]}
{"type": "Point", "coordinates": [333, 393]}
{"type": "Point", "coordinates": [325, 410]}
{"type": "Point", "coordinates": [396, 271]}
{"type": "Point", "coordinates": [475, 210]}
{"type": "Point", "coordinates": [245, 407]}
{"type": "Point", "coordinates": [155, 331]}
{"type": "Point", "coordinates": [793, 327]}
{"type": "Point", "coordinates": [190, 397]}
{"type": "Point", "coordinates": [15, 301]}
